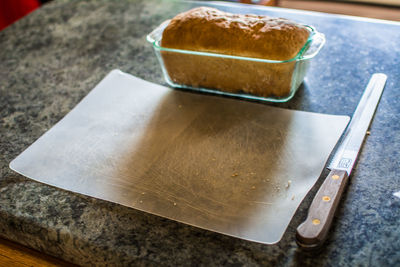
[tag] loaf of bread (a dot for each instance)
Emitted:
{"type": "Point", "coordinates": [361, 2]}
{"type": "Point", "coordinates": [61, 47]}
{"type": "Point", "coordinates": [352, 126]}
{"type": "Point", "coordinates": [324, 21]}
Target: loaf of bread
{"type": "Point", "coordinates": [210, 30]}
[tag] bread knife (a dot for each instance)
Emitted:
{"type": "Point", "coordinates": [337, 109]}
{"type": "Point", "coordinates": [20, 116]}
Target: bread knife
{"type": "Point", "coordinates": [312, 233]}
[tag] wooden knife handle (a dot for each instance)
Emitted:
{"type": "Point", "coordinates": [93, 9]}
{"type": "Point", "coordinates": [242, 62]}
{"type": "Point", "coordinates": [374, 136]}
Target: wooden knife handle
{"type": "Point", "coordinates": [314, 230]}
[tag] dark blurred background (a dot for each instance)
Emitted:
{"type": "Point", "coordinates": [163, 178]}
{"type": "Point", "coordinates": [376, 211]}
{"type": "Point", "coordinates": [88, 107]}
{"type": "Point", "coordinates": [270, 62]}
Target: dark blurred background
{"type": "Point", "coordinates": [12, 10]}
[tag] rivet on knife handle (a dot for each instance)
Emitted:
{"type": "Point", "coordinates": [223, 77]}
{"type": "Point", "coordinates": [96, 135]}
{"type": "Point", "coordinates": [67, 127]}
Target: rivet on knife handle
{"type": "Point", "coordinates": [314, 230]}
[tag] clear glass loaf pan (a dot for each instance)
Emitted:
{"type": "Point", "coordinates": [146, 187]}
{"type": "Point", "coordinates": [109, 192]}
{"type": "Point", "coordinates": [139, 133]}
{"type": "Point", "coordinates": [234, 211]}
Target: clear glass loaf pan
{"type": "Point", "coordinates": [230, 75]}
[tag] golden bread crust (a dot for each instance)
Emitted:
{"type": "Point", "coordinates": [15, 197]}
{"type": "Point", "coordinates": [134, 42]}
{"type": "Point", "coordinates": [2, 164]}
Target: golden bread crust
{"type": "Point", "coordinates": [211, 30]}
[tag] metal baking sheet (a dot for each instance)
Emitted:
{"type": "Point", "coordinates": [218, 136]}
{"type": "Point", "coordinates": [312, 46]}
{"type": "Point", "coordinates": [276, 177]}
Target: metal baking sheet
{"type": "Point", "coordinates": [229, 166]}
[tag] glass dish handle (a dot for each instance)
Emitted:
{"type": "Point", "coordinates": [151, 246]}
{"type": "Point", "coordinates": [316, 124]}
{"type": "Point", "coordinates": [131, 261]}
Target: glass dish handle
{"type": "Point", "coordinates": [156, 34]}
{"type": "Point", "coordinates": [317, 42]}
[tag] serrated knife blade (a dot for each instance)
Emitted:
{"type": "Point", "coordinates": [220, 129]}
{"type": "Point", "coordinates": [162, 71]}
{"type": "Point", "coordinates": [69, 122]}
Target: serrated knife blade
{"type": "Point", "coordinates": [313, 231]}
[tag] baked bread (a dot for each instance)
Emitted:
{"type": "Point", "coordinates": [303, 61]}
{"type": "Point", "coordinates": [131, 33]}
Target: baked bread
{"type": "Point", "coordinates": [210, 30]}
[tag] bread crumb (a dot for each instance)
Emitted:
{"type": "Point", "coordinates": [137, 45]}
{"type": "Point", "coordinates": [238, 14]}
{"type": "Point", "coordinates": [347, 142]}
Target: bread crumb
{"type": "Point", "coordinates": [293, 197]}
{"type": "Point", "coordinates": [253, 187]}
{"type": "Point", "coordinates": [235, 174]}
{"type": "Point", "coordinates": [368, 132]}
{"type": "Point", "coordinates": [288, 183]}
{"type": "Point", "coordinates": [174, 203]}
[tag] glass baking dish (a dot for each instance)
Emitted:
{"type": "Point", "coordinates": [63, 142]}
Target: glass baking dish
{"type": "Point", "coordinates": [233, 75]}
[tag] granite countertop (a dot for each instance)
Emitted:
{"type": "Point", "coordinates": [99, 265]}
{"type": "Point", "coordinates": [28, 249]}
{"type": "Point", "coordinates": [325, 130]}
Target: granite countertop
{"type": "Point", "coordinates": [52, 58]}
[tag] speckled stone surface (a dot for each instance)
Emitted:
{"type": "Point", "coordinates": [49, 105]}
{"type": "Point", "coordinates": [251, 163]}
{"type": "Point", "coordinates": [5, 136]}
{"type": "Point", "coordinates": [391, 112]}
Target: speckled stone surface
{"type": "Point", "coordinates": [52, 58]}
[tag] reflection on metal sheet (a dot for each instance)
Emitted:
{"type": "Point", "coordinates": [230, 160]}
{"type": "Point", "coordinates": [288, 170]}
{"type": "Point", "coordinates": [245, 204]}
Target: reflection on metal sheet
{"type": "Point", "coordinates": [229, 166]}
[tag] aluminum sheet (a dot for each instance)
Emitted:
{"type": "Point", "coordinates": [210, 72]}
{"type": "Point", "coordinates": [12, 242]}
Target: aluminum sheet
{"type": "Point", "coordinates": [226, 165]}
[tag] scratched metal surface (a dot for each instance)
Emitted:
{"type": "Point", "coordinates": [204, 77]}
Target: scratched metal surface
{"type": "Point", "coordinates": [221, 164]}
